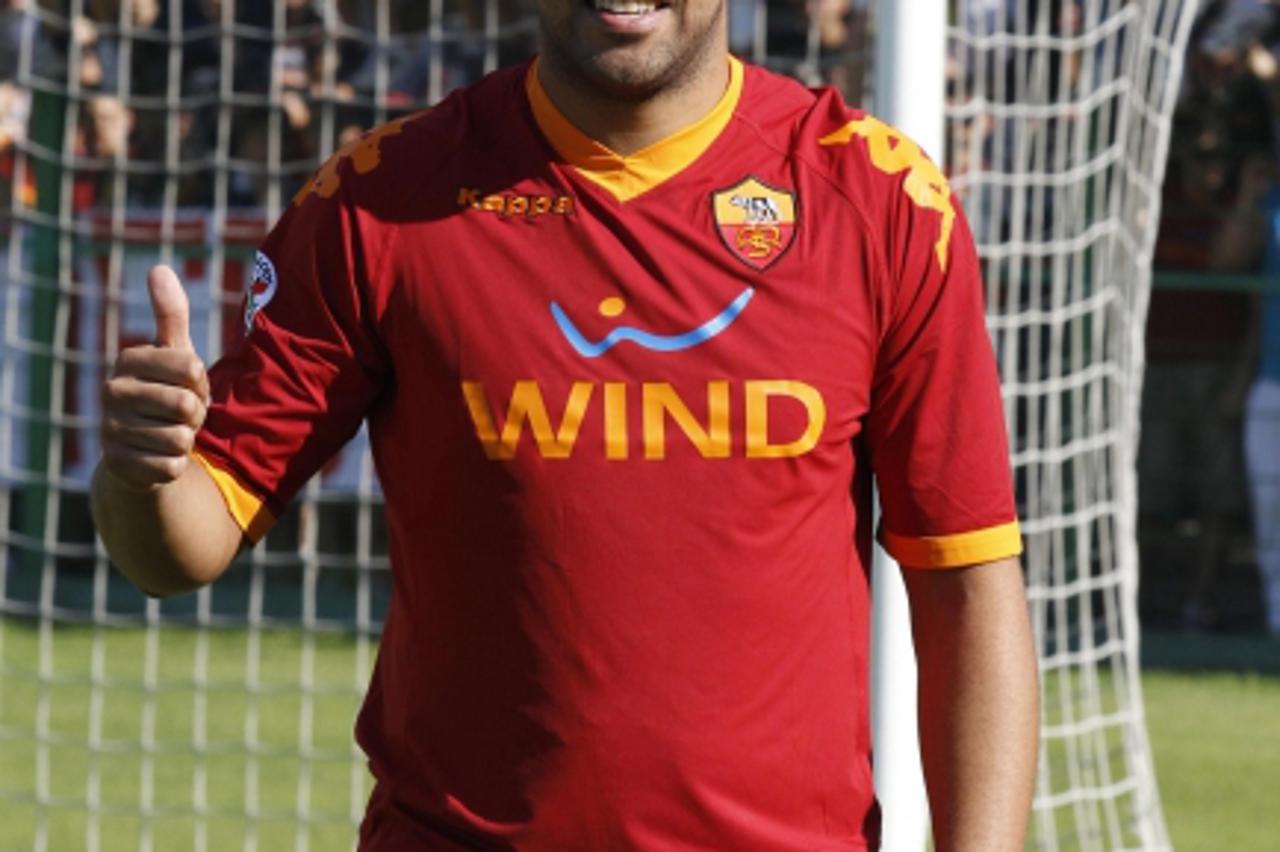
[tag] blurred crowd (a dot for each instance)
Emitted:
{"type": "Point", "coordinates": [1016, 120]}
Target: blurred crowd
{"type": "Point", "coordinates": [163, 89]}
{"type": "Point", "coordinates": [1210, 457]}
{"type": "Point", "coordinates": [991, 81]}
{"type": "Point", "coordinates": [158, 85]}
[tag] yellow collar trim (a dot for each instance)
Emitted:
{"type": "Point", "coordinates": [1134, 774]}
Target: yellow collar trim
{"type": "Point", "coordinates": [627, 176]}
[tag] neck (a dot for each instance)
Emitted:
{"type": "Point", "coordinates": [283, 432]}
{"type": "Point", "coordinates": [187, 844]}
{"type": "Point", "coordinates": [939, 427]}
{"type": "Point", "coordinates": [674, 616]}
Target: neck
{"type": "Point", "coordinates": [626, 126]}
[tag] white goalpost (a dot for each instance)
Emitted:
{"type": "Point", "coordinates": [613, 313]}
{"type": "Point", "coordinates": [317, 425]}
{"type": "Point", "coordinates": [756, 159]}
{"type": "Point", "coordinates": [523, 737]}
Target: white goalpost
{"type": "Point", "coordinates": [910, 94]}
{"type": "Point", "coordinates": [176, 130]}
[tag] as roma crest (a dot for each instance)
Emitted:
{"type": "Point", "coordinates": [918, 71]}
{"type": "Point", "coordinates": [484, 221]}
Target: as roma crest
{"type": "Point", "coordinates": [756, 222]}
{"type": "Point", "coordinates": [261, 289]}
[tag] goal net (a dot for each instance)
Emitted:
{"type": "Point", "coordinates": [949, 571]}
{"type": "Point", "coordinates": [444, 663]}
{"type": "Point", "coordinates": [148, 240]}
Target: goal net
{"type": "Point", "coordinates": [1059, 122]}
{"type": "Point", "coordinates": [136, 131]}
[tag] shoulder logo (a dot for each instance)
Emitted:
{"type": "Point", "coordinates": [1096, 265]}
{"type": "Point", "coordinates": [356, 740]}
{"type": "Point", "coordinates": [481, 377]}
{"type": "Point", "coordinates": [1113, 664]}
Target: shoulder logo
{"type": "Point", "coordinates": [261, 289]}
{"type": "Point", "coordinates": [891, 152]}
{"type": "Point", "coordinates": [756, 221]}
{"type": "Point", "coordinates": [365, 154]}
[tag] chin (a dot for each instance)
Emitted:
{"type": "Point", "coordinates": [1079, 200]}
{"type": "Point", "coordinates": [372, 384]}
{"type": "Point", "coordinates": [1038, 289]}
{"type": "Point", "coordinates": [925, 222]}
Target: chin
{"type": "Point", "coordinates": [633, 73]}
{"type": "Point", "coordinates": [627, 80]}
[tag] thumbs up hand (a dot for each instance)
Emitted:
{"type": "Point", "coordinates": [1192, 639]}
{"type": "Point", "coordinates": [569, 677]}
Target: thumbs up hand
{"type": "Point", "coordinates": [157, 396]}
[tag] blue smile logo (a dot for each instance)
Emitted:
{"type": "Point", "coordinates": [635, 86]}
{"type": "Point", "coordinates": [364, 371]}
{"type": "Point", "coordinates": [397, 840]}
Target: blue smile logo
{"type": "Point", "coordinates": [614, 306]}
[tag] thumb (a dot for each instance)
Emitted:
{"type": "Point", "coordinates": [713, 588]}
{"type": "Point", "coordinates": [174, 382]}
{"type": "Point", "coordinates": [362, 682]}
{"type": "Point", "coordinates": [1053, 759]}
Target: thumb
{"type": "Point", "coordinates": [169, 305]}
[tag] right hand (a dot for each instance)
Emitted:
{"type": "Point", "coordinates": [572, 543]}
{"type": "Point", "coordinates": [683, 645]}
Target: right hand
{"type": "Point", "coordinates": [157, 396]}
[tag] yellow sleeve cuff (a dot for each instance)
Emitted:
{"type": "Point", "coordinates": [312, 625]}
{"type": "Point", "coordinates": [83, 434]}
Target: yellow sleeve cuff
{"type": "Point", "coordinates": [248, 510]}
{"type": "Point", "coordinates": [956, 550]}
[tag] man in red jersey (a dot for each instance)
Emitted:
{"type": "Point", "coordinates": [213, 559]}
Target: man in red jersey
{"type": "Point", "coordinates": [632, 326]}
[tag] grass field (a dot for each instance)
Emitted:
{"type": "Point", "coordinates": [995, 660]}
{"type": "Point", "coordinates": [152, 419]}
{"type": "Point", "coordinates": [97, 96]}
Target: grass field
{"type": "Point", "coordinates": [1213, 715]}
{"type": "Point", "coordinates": [250, 740]}
{"type": "Point", "coordinates": [1216, 738]}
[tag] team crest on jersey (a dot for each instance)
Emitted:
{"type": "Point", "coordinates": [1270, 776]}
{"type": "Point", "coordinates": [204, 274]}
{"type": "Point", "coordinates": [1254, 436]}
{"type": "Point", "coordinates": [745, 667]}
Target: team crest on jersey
{"type": "Point", "coordinates": [756, 221]}
{"type": "Point", "coordinates": [261, 289]}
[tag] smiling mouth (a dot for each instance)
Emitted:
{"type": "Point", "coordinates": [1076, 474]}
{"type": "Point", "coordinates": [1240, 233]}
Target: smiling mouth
{"type": "Point", "coordinates": [625, 7]}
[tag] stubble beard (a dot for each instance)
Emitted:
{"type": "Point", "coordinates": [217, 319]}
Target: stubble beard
{"type": "Point", "coordinates": [620, 74]}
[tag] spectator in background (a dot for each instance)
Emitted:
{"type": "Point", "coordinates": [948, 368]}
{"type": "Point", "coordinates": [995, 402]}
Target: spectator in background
{"type": "Point", "coordinates": [1262, 410]}
{"type": "Point", "coordinates": [15, 106]}
{"type": "Point", "coordinates": [295, 62]}
{"type": "Point", "coordinates": [403, 66]}
{"type": "Point", "coordinates": [821, 42]}
{"type": "Point", "coordinates": [101, 45]}
{"type": "Point", "coordinates": [842, 42]}
{"type": "Point", "coordinates": [15, 102]}
{"type": "Point", "coordinates": [14, 21]}
{"type": "Point", "coordinates": [1191, 453]}
{"type": "Point", "coordinates": [1262, 427]}
{"type": "Point", "coordinates": [1249, 241]}
{"type": "Point", "coordinates": [276, 73]}
{"type": "Point", "coordinates": [1005, 141]}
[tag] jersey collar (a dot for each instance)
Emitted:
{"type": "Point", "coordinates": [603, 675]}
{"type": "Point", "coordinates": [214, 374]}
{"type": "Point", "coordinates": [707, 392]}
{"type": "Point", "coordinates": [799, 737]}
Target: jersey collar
{"type": "Point", "coordinates": [627, 176]}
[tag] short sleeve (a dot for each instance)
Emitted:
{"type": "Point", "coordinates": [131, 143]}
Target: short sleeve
{"type": "Point", "coordinates": [936, 428]}
{"type": "Point", "coordinates": [309, 366]}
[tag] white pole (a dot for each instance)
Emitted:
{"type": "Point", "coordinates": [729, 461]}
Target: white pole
{"type": "Point", "coordinates": [909, 94]}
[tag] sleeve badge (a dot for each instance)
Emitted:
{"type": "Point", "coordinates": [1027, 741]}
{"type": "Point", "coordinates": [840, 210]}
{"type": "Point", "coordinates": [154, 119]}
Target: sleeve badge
{"type": "Point", "coordinates": [260, 290]}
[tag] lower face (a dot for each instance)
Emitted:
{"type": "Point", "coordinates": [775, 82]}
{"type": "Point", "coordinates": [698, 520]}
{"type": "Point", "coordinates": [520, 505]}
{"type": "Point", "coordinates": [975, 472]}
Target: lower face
{"type": "Point", "coordinates": [633, 49]}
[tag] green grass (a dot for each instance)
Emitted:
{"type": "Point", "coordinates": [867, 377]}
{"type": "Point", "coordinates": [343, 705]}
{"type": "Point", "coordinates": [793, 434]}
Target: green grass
{"type": "Point", "coordinates": [1216, 739]}
{"type": "Point", "coordinates": [274, 720]}
{"type": "Point", "coordinates": [1215, 736]}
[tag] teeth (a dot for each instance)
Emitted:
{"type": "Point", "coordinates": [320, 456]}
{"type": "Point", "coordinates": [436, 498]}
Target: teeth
{"type": "Point", "coordinates": [624, 7]}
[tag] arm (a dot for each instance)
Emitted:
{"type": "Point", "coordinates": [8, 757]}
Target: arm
{"type": "Point", "coordinates": [161, 517]}
{"type": "Point", "coordinates": [978, 703]}
{"type": "Point", "coordinates": [168, 539]}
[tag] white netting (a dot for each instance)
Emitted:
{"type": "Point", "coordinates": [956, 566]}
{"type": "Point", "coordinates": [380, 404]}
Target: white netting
{"type": "Point", "coordinates": [177, 129]}
{"type": "Point", "coordinates": [1059, 129]}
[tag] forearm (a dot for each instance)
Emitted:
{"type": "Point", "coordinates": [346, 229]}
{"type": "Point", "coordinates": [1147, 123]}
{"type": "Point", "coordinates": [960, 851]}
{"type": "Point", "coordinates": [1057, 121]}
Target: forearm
{"type": "Point", "coordinates": [169, 539]}
{"type": "Point", "coordinates": [978, 704]}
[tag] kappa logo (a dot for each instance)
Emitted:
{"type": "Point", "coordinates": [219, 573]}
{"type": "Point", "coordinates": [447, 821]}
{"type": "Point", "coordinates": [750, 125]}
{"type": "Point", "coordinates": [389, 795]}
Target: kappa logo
{"type": "Point", "coordinates": [365, 154]}
{"type": "Point", "coordinates": [506, 204]}
{"type": "Point", "coordinates": [756, 221]}
{"type": "Point", "coordinates": [261, 290]}
{"type": "Point", "coordinates": [892, 153]}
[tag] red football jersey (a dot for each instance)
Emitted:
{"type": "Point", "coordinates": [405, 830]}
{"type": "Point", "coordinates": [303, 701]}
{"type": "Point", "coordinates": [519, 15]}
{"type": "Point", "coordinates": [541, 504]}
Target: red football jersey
{"type": "Point", "coordinates": [625, 411]}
